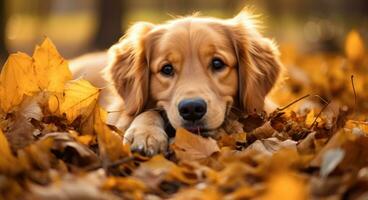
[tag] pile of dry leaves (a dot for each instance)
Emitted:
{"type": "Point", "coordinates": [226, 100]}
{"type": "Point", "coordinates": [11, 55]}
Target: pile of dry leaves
{"type": "Point", "coordinates": [55, 143]}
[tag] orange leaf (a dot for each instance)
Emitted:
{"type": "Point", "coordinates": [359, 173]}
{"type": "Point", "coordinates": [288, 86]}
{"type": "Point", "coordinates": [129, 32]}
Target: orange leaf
{"type": "Point", "coordinates": [286, 186]}
{"type": "Point", "coordinates": [354, 46]}
{"type": "Point", "coordinates": [188, 146]}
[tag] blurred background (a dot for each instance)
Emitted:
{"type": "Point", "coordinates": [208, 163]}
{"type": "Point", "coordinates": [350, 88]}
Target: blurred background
{"type": "Point", "coordinates": [322, 42]}
{"type": "Point", "coordinates": [80, 26]}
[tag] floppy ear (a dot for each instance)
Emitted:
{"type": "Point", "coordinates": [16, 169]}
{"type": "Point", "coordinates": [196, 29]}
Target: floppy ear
{"type": "Point", "coordinates": [258, 63]}
{"type": "Point", "coordinates": [128, 67]}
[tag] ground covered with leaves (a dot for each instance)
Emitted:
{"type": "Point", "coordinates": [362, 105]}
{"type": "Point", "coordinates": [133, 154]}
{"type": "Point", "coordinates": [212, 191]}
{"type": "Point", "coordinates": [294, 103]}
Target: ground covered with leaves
{"type": "Point", "coordinates": [55, 143]}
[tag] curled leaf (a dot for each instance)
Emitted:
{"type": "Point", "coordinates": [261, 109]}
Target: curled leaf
{"type": "Point", "coordinates": [188, 146]}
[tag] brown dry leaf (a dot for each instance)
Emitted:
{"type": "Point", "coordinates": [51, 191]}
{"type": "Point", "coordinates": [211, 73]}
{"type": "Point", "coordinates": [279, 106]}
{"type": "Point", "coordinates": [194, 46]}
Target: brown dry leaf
{"type": "Point", "coordinates": [80, 98]}
{"type": "Point", "coordinates": [307, 146]}
{"type": "Point", "coordinates": [331, 159]}
{"type": "Point", "coordinates": [17, 79]}
{"type": "Point", "coordinates": [159, 169]}
{"type": "Point", "coordinates": [231, 140]}
{"type": "Point", "coordinates": [354, 46]}
{"type": "Point", "coordinates": [73, 187]}
{"type": "Point", "coordinates": [188, 146]}
{"type": "Point", "coordinates": [154, 171]}
{"type": "Point", "coordinates": [271, 145]}
{"type": "Point", "coordinates": [51, 69]}
{"type": "Point", "coordinates": [72, 151]}
{"type": "Point", "coordinates": [19, 130]}
{"type": "Point", "coordinates": [340, 138]}
{"type": "Point", "coordinates": [264, 131]}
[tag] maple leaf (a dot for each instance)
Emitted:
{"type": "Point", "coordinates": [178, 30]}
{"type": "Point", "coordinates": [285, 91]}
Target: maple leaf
{"type": "Point", "coordinates": [51, 69]}
{"type": "Point", "coordinates": [17, 79]}
{"type": "Point", "coordinates": [80, 98]}
{"type": "Point", "coordinates": [188, 146]}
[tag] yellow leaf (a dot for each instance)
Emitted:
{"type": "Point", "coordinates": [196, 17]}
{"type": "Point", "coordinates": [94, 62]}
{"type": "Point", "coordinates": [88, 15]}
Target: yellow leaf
{"type": "Point", "coordinates": [188, 146]}
{"type": "Point", "coordinates": [158, 167]}
{"type": "Point", "coordinates": [7, 160]}
{"type": "Point", "coordinates": [85, 139]}
{"type": "Point", "coordinates": [17, 79]}
{"type": "Point", "coordinates": [52, 70]}
{"type": "Point", "coordinates": [207, 193]}
{"type": "Point", "coordinates": [80, 98]}
{"type": "Point", "coordinates": [354, 46]}
{"type": "Point", "coordinates": [286, 186]}
{"type": "Point", "coordinates": [310, 118]}
{"type": "Point", "coordinates": [126, 184]}
{"type": "Point", "coordinates": [110, 143]}
{"type": "Point", "coordinates": [358, 127]}
{"type": "Point", "coordinates": [53, 104]}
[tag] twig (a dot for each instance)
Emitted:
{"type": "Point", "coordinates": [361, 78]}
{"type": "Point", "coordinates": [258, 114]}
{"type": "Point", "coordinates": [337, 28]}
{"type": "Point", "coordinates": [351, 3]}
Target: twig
{"type": "Point", "coordinates": [355, 95]}
{"type": "Point", "coordinates": [112, 164]}
{"type": "Point", "coordinates": [322, 99]}
{"type": "Point", "coordinates": [114, 111]}
{"type": "Point", "coordinates": [320, 112]}
{"type": "Point", "coordinates": [293, 102]}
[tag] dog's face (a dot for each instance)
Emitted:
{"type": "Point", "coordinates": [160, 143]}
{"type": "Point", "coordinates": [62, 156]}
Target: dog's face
{"type": "Point", "coordinates": [193, 75]}
{"type": "Point", "coordinates": [195, 69]}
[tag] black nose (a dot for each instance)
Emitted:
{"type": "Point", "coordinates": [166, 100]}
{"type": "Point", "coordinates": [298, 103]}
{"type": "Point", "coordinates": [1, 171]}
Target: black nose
{"type": "Point", "coordinates": [192, 109]}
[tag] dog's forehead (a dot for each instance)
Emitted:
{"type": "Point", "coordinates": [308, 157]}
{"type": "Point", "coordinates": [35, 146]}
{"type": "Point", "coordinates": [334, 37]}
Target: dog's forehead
{"type": "Point", "coordinates": [191, 33]}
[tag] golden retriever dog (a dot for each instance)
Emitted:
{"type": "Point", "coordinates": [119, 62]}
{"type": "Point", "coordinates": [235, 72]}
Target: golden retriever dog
{"type": "Point", "coordinates": [189, 72]}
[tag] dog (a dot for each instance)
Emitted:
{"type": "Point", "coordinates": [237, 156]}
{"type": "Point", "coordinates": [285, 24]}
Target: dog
{"type": "Point", "coordinates": [188, 72]}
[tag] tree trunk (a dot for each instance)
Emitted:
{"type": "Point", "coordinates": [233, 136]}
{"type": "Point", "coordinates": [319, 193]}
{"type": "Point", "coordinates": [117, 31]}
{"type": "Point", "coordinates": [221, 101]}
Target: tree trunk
{"type": "Point", "coordinates": [3, 19]}
{"type": "Point", "coordinates": [109, 30]}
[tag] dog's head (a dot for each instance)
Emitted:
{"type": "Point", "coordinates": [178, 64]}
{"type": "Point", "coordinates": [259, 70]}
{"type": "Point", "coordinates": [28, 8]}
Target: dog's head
{"type": "Point", "coordinates": [195, 69]}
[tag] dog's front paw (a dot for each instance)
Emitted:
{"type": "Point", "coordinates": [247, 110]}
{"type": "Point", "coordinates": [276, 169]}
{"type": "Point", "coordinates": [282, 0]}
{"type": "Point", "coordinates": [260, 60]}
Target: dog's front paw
{"type": "Point", "coordinates": [146, 140]}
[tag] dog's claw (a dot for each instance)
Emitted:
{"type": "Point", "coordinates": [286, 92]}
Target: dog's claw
{"type": "Point", "coordinates": [150, 152]}
{"type": "Point", "coordinates": [143, 151]}
{"type": "Point", "coordinates": [139, 149]}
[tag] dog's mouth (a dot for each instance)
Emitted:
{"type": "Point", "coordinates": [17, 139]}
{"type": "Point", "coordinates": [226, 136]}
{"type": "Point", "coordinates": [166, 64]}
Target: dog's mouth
{"type": "Point", "coordinates": [195, 127]}
{"type": "Point", "coordinates": [198, 128]}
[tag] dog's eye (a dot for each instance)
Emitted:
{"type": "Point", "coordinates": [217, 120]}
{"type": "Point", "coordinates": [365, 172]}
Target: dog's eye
{"type": "Point", "coordinates": [167, 70]}
{"type": "Point", "coordinates": [217, 64]}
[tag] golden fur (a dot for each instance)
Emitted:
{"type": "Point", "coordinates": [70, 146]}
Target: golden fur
{"type": "Point", "coordinates": [188, 44]}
